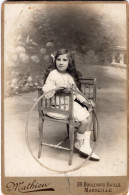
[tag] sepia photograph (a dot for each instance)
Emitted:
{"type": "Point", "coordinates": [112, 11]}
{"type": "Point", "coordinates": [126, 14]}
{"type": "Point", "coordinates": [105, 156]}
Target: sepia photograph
{"type": "Point", "coordinates": [65, 89]}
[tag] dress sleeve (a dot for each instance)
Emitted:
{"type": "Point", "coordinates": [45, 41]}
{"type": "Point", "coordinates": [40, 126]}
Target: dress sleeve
{"type": "Point", "coordinates": [77, 95]}
{"type": "Point", "coordinates": [50, 83]}
{"type": "Point", "coordinates": [80, 97]}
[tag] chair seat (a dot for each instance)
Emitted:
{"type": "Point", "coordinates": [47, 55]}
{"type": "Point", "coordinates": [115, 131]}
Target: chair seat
{"type": "Point", "coordinates": [57, 115]}
{"type": "Point", "coordinates": [50, 118]}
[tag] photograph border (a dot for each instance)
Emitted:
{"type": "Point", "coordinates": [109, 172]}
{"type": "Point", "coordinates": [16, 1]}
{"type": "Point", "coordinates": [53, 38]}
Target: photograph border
{"type": "Point", "coordinates": [69, 184]}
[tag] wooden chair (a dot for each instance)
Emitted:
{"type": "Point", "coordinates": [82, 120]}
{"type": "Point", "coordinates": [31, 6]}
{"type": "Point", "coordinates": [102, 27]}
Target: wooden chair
{"type": "Point", "coordinates": [88, 87]}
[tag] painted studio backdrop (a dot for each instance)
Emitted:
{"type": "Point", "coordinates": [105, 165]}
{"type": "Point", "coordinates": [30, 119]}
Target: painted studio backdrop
{"type": "Point", "coordinates": [96, 36]}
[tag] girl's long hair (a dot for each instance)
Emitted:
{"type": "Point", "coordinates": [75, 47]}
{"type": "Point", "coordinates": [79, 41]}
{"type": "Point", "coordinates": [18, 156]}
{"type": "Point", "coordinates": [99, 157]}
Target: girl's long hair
{"type": "Point", "coordinates": [71, 67]}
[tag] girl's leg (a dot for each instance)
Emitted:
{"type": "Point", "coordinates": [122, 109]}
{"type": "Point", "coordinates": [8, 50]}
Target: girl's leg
{"type": "Point", "coordinates": [83, 126]}
{"type": "Point", "coordinates": [89, 123]}
{"type": "Point", "coordinates": [83, 138]}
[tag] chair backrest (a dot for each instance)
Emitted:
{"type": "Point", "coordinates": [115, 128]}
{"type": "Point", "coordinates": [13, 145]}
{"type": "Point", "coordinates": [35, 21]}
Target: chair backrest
{"type": "Point", "coordinates": [62, 103]}
{"type": "Point", "coordinates": [88, 88]}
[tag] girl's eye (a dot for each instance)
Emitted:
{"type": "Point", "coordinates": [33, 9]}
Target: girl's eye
{"type": "Point", "coordinates": [58, 59]}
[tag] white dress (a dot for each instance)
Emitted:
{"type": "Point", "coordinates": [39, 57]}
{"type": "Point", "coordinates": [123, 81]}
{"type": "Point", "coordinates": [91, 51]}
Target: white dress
{"type": "Point", "coordinates": [56, 79]}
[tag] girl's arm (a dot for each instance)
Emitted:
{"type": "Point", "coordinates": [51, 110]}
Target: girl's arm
{"type": "Point", "coordinates": [49, 85]}
{"type": "Point", "coordinates": [88, 103]}
{"type": "Point", "coordinates": [78, 96]}
{"type": "Point", "coordinates": [53, 81]}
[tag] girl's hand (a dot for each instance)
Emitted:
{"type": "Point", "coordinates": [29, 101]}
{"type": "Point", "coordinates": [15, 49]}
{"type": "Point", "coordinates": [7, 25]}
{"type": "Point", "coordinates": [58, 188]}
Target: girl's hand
{"type": "Point", "coordinates": [66, 88]}
{"type": "Point", "coordinates": [74, 87]}
{"type": "Point", "coordinates": [49, 94]}
{"type": "Point", "coordinates": [91, 103]}
{"type": "Point", "coordinates": [85, 103]}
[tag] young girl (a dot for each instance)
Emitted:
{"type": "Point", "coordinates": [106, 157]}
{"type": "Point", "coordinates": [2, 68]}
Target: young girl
{"type": "Point", "coordinates": [62, 73]}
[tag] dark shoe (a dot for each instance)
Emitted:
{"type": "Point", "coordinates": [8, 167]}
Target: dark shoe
{"type": "Point", "coordinates": [93, 158]}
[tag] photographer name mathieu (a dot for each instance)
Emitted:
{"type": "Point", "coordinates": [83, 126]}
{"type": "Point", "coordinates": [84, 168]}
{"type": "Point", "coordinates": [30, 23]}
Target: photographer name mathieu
{"type": "Point", "coordinates": [33, 186]}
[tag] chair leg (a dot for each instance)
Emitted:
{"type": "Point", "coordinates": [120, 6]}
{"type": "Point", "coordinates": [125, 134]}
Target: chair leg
{"type": "Point", "coordinates": [68, 129]}
{"type": "Point", "coordinates": [40, 136]}
{"type": "Point", "coordinates": [71, 138]}
{"type": "Point", "coordinates": [94, 129]}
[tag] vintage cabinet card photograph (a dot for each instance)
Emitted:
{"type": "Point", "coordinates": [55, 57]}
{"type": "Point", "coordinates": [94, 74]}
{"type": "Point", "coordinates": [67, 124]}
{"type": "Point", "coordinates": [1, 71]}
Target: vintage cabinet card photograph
{"type": "Point", "coordinates": [64, 97]}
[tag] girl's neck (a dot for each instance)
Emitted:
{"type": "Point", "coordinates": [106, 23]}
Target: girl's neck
{"type": "Point", "coordinates": [62, 72]}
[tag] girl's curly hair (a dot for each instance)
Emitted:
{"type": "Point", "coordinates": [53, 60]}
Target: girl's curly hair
{"type": "Point", "coordinates": [71, 67]}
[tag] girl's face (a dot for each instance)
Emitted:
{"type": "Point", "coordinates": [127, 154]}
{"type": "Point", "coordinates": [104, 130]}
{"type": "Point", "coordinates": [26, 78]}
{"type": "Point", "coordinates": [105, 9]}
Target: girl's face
{"type": "Point", "coordinates": [62, 62]}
